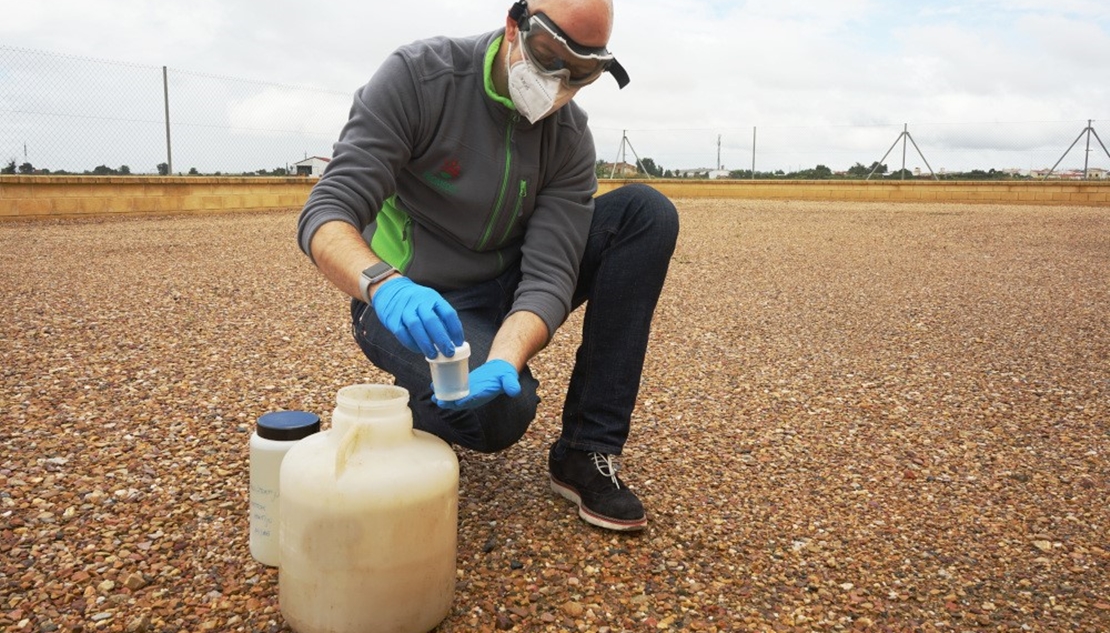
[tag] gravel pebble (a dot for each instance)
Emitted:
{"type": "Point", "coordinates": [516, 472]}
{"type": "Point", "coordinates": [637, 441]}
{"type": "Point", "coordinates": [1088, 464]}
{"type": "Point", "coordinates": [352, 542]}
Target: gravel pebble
{"type": "Point", "coordinates": [854, 417]}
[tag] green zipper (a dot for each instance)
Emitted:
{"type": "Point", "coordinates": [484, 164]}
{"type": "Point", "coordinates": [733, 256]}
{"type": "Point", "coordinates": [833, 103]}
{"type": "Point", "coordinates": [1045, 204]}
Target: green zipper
{"type": "Point", "coordinates": [523, 193]}
{"type": "Point", "coordinates": [504, 182]}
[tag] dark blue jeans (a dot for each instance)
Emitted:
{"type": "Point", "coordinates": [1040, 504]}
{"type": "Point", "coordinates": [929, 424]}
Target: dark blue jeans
{"type": "Point", "coordinates": [631, 240]}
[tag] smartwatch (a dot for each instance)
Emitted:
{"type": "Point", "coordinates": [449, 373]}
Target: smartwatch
{"type": "Point", "coordinates": [373, 275]}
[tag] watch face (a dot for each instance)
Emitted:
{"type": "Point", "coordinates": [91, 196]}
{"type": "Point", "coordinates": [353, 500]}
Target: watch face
{"type": "Point", "coordinates": [377, 271]}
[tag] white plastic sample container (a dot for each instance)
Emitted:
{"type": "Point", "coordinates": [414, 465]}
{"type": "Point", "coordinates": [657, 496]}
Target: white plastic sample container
{"type": "Point", "coordinates": [451, 375]}
{"type": "Point", "coordinates": [274, 434]}
{"type": "Point", "coordinates": [369, 521]}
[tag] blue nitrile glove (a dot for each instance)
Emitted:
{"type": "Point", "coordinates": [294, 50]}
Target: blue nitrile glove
{"type": "Point", "coordinates": [418, 316]}
{"type": "Point", "coordinates": [492, 379]}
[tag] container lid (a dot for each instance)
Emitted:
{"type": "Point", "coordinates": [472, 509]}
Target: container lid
{"type": "Point", "coordinates": [462, 352]}
{"type": "Point", "coordinates": [287, 425]}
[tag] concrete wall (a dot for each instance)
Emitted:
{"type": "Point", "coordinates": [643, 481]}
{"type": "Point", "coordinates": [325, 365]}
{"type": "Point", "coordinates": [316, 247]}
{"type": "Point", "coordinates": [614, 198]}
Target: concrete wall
{"type": "Point", "coordinates": [1047, 192]}
{"type": "Point", "coordinates": [28, 197]}
{"type": "Point", "coordinates": [25, 197]}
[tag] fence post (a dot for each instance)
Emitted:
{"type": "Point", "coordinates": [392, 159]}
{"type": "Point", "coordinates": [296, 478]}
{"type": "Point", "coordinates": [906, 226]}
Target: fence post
{"type": "Point", "coordinates": [905, 133]}
{"type": "Point", "coordinates": [753, 152]}
{"type": "Point", "coordinates": [1086, 153]}
{"type": "Point", "coordinates": [166, 100]}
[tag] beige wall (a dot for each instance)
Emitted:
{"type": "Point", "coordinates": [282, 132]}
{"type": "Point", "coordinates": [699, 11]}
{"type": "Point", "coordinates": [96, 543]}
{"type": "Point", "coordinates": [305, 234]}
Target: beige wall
{"type": "Point", "coordinates": [28, 197]}
{"type": "Point", "coordinates": [1049, 192]}
{"type": "Point", "coordinates": [23, 197]}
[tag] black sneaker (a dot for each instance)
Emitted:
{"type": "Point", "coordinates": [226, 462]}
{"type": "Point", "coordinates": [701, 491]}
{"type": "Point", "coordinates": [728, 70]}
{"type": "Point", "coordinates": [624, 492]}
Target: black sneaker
{"type": "Point", "coordinates": [590, 480]}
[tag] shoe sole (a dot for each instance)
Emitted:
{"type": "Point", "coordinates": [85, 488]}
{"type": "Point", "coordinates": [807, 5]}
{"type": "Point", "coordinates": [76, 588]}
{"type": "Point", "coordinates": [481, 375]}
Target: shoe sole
{"type": "Point", "coordinates": [609, 523]}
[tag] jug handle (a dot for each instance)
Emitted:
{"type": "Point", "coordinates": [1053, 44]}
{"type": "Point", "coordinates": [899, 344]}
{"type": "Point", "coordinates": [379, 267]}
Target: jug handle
{"type": "Point", "coordinates": [347, 447]}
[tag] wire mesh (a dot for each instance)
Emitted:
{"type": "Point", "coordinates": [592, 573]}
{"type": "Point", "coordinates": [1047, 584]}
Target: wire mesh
{"type": "Point", "coordinates": [1024, 149]}
{"type": "Point", "coordinates": [66, 114]}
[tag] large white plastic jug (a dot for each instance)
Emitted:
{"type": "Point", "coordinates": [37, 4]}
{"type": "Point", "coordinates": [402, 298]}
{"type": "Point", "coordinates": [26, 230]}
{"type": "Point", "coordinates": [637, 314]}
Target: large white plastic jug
{"type": "Point", "coordinates": [369, 521]}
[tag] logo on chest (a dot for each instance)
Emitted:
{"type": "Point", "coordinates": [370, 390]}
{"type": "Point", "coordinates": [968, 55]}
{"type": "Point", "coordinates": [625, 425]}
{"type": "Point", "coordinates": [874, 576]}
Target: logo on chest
{"type": "Point", "coordinates": [444, 178]}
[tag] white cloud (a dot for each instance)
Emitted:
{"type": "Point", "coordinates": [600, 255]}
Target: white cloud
{"type": "Point", "coordinates": [698, 68]}
{"type": "Point", "coordinates": [277, 111]}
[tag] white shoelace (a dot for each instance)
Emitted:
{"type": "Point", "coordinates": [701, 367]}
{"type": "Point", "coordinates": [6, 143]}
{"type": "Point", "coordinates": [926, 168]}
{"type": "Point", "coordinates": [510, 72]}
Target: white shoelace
{"type": "Point", "coordinates": [607, 466]}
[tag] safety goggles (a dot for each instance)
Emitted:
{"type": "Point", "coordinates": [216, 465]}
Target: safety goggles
{"type": "Point", "coordinates": [554, 53]}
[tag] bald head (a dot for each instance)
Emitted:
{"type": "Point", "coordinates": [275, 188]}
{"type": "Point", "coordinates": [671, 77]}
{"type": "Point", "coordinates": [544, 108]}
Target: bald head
{"type": "Point", "coordinates": [588, 22]}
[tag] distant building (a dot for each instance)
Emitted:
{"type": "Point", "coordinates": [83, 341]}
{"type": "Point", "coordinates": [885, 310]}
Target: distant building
{"type": "Point", "coordinates": [313, 166]}
{"type": "Point", "coordinates": [700, 172]}
{"type": "Point", "coordinates": [1093, 173]}
{"type": "Point", "coordinates": [618, 170]}
{"type": "Point", "coordinates": [703, 172]}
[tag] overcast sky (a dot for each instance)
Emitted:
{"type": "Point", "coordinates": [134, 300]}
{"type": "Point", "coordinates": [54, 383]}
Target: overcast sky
{"type": "Point", "coordinates": [957, 72]}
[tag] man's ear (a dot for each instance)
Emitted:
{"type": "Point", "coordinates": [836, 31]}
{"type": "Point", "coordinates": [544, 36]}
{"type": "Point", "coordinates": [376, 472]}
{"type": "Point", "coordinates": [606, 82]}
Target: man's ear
{"type": "Point", "coordinates": [511, 29]}
{"type": "Point", "coordinates": [517, 12]}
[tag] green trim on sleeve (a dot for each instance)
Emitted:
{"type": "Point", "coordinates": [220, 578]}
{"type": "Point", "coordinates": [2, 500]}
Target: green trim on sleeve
{"type": "Point", "coordinates": [391, 240]}
{"type": "Point", "coordinates": [491, 54]}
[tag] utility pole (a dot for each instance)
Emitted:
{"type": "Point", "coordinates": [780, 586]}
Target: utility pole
{"type": "Point", "coordinates": [1088, 131]}
{"type": "Point", "coordinates": [904, 137]}
{"type": "Point", "coordinates": [621, 155]}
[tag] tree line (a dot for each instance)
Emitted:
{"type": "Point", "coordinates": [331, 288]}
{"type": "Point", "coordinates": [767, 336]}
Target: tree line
{"type": "Point", "coordinates": [124, 170]}
{"type": "Point", "coordinates": [648, 168]}
{"type": "Point", "coordinates": [644, 168]}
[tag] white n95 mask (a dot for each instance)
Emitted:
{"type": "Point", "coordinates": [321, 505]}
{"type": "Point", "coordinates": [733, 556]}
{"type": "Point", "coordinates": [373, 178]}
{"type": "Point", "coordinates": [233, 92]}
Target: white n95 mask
{"type": "Point", "coordinates": [535, 95]}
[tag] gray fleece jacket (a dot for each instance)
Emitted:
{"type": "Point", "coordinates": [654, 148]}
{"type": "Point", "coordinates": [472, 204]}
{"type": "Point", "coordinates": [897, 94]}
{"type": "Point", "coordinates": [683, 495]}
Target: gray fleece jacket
{"type": "Point", "coordinates": [452, 187]}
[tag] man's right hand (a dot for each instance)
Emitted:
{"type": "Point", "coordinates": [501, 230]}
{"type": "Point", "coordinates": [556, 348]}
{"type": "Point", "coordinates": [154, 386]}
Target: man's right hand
{"type": "Point", "coordinates": [494, 378]}
{"type": "Point", "coordinates": [418, 316]}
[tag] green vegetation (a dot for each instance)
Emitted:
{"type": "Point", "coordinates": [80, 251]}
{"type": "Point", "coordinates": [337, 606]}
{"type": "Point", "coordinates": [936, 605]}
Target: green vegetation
{"type": "Point", "coordinates": [163, 169]}
{"type": "Point", "coordinates": [645, 169]}
{"type": "Point", "coordinates": [648, 168]}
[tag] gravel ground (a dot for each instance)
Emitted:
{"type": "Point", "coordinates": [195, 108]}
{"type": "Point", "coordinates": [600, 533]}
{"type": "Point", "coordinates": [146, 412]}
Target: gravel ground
{"type": "Point", "coordinates": [854, 417]}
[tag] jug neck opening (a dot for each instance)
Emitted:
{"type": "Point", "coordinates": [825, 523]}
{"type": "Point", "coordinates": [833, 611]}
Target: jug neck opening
{"type": "Point", "coordinates": [385, 408]}
{"type": "Point", "coordinates": [371, 398]}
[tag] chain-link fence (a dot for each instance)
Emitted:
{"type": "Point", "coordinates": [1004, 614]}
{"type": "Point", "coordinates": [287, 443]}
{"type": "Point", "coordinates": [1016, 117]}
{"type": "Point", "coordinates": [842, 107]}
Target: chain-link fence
{"type": "Point", "coordinates": [69, 114]}
{"type": "Point", "coordinates": [1035, 149]}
